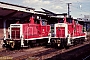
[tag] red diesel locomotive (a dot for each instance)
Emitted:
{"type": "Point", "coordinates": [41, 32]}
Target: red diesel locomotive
{"type": "Point", "coordinates": [66, 32]}
{"type": "Point", "coordinates": [27, 34]}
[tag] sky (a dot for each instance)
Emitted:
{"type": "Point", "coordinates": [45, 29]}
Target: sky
{"type": "Point", "coordinates": [78, 8]}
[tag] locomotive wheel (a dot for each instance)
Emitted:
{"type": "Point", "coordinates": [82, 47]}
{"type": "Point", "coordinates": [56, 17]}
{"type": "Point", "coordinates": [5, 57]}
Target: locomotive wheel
{"type": "Point", "coordinates": [52, 43]}
{"type": "Point", "coordinates": [81, 42]}
{"type": "Point", "coordinates": [64, 43]}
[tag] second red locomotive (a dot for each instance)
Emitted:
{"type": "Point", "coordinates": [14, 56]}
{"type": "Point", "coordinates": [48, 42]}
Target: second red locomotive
{"type": "Point", "coordinates": [66, 32]}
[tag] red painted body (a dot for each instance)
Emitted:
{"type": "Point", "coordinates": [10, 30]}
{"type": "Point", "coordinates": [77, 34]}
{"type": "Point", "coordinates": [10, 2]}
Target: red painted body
{"type": "Point", "coordinates": [29, 30]}
{"type": "Point", "coordinates": [73, 29]}
{"type": "Point", "coordinates": [35, 31]}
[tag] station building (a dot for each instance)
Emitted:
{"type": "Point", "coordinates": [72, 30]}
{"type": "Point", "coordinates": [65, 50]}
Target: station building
{"type": "Point", "coordinates": [85, 22]}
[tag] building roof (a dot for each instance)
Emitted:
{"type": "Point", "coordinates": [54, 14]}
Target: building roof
{"type": "Point", "coordinates": [14, 11]}
{"type": "Point", "coordinates": [13, 5]}
{"type": "Point", "coordinates": [83, 20]}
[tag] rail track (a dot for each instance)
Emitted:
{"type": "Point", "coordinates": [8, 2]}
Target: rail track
{"type": "Point", "coordinates": [38, 53]}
